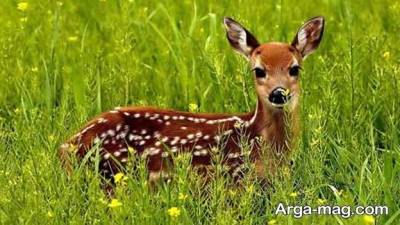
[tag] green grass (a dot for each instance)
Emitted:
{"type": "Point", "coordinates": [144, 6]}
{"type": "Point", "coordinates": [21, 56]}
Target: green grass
{"type": "Point", "coordinates": [60, 65]}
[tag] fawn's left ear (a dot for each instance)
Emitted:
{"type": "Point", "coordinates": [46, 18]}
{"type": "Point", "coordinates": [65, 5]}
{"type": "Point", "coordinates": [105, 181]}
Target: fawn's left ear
{"type": "Point", "coordinates": [309, 36]}
{"type": "Point", "coordinates": [240, 38]}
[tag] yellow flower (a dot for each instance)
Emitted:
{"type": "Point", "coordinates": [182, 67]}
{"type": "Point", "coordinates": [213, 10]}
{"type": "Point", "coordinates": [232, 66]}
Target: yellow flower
{"type": "Point", "coordinates": [72, 39]}
{"type": "Point", "coordinates": [321, 201]}
{"type": "Point", "coordinates": [174, 212]}
{"type": "Point", "coordinates": [34, 69]}
{"type": "Point", "coordinates": [250, 189]}
{"type": "Point", "coordinates": [232, 193]}
{"type": "Point", "coordinates": [286, 171]}
{"type": "Point", "coordinates": [287, 91]}
{"type": "Point", "coordinates": [271, 222]}
{"type": "Point", "coordinates": [23, 19]}
{"type": "Point", "coordinates": [102, 201]}
{"type": "Point", "coordinates": [368, 220]}
{"type": "Point", "coordinates": [386, 55]}
{"type": "Point", "coordinates": [120, 178]}
{"type": "Point", "coordinates": [72, 148]}
{"type": "Point", "coordinates": [193, 107]}
{"type": "Point", "coordinates": [50, 214]}
{"type": "Point", "coordinates": [294, 194]}
{"type": "Point", "coordinates": [114, 203]}
{"type": "Point", "coordinates": [214, 149]}
{"type": "Point", "coordinates": [22, 6]}
{"type": "Point", "coordinates": [182, 196]}
{"type": "Point", "coordinates": [238, 124]}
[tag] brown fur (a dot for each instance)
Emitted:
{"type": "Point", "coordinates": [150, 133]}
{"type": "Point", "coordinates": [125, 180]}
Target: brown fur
{"type": "Point", "coordinates": [157, 135]}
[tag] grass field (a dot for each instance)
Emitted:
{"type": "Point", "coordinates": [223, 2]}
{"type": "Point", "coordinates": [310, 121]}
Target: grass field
{"type": "Point", "coordinates": [63, 62]}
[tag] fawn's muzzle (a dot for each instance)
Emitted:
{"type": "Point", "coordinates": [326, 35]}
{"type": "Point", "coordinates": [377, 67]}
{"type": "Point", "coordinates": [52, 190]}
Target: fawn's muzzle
{"type": "Point", "coordinates": [279, 97]}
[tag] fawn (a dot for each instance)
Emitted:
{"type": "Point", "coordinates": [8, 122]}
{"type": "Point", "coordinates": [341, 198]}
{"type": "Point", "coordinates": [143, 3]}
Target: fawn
{"type": "Point", "coordinates": [156, 135]}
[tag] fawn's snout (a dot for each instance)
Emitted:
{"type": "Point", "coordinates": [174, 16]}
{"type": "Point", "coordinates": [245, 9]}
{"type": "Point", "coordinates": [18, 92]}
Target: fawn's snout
{"type": "Point", "coordinates": [279, 97]}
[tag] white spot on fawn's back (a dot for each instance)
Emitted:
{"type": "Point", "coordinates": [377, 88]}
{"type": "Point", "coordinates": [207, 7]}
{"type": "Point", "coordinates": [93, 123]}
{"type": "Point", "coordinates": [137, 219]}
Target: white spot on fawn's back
{"type": "Point", "coordinates": [118, 127]}
{"type": "Point", "coordinates": [111, 132]}
{"type": "Point", "coordinates": [164, 139]}
{"type": "Point", "coordinates": [154, 151]}
{"type": "Point", "coordinates": [174, 149]}
{"type": "Point", "coordinates": [106, 156]}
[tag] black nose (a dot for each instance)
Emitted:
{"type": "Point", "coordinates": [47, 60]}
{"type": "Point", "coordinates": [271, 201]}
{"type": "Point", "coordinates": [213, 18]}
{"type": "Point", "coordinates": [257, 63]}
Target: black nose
{"type": "Point", "coordinates": [278, 96]}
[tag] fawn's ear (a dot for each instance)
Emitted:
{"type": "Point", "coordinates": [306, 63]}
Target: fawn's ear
{"type": "Point", "coordinates": [240, 38]}
{"type": "Point", "coordinates": [309, 36]}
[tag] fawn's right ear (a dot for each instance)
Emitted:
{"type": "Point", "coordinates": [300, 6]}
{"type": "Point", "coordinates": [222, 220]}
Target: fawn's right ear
{"type": "Point", "coordinates": [240, 38]}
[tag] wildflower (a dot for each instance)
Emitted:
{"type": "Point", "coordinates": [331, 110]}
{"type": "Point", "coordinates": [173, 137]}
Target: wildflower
{"type": "Point", "coordinates": [50, 214]}
{"type": "Point", "coordinates": [103, 201]}
{"type": "Point", "coordinates": [120, 178]}
{"type": "Point", "coordinates": [22, 6]}
{"type": "Point", "coordinates": [174, 212]}
{"type": "Point", "coordinates": [34, 69]}
{"type": "Point", "coordinates": [368, 220]}
{"type": "Point", "coordinates": [321, 201]}
{"type": "Point", "coordinates": [214, 149]}
{"type": "Point", "coordinates": [23, 19]}
{"type": "Point", "coordinates": [271, 222]}
{"type": "Point", "coordinates": [294, 194]}
{"type": "Point", "coordinates": [114, 203]}
{"type": "Point", "coordinates": [238, 124]}
{"type": "Point", "coordinates": [232, 193]}
{"type": "Point", "coordinates": [287, 91]}
{"type": "Point", "coordinates": [386, 55]}
{"type": "Point", "coordinates": [339, 193]}
{"type": "Point", "coordinates": [72, 148]}
{"type": "Point", "coordinates": [250, 189]}
{"type": "Point", "coordinates": [286, 171]}
{"type": "Point", "coordinates": [182, 196]}
{"type": "Point", "coordinates": [193, 107]}
{"type": "Point", "coordinates": [72, 39]}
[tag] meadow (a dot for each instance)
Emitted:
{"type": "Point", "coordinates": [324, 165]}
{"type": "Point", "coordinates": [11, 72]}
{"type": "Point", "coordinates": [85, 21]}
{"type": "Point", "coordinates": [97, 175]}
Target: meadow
{"type": "Point", "coordinates": [62, 62]}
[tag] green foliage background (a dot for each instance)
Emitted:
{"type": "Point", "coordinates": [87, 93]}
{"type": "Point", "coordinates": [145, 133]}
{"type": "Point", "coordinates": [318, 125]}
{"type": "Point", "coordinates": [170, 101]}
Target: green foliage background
{"type": "Point", "coordinates": [62, 62]}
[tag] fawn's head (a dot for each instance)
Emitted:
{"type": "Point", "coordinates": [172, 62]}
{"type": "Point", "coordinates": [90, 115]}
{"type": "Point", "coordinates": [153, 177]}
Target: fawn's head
{"type": "Point", "coordinates": [276, 65]}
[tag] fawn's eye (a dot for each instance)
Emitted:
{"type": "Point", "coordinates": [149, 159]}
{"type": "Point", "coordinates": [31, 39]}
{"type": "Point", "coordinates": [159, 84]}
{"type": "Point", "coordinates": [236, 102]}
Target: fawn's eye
{"type": "Point", "coordinates": [294, 71]}
{"type": "Point", "coordinates": [259, 72]}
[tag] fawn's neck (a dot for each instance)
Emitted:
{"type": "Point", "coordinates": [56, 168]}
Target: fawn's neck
{"type": "Point", "coordinates": [277, 127]}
